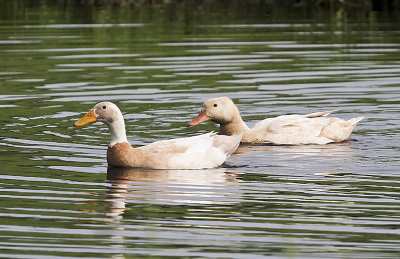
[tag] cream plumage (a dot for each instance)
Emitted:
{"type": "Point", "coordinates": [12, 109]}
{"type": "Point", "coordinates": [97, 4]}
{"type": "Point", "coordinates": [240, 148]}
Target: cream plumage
{"type": "Point", "coordinates": [314, 128]}
{"type": "Point", "coordinates": [198, 152]}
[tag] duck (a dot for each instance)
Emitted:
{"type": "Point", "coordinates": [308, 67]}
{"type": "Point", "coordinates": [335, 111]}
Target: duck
{"type": "Point", "coordinates": [313, 128]}
{"type": "Point", "coordinates": [203, 151]}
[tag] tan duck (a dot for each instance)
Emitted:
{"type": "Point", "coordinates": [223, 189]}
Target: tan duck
{"type": "Point", "coordinates": [198, 152]}
{"type": "Point", "coordinates": [314, 128]}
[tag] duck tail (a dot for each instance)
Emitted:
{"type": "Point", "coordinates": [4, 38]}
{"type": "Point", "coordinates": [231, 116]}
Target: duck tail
{"type": "Point", "coordinates": [236, 138]}
{"type": "Point", "coordinates": [354, 121]}
{"type": "Point", "coordinates": [232, 142]}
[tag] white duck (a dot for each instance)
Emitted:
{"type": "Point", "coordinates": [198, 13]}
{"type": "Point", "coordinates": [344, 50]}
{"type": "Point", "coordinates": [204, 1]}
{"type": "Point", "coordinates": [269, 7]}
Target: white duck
{"type": "Point", "coordinates": [198, 152]}
{"type": "Point", "coordinates": [313, 128]}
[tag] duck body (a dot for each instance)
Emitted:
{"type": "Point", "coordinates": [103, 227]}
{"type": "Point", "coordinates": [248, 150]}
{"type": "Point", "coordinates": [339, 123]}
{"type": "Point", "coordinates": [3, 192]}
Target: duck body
{"type": "Point", "coordinates": [198, 152]}
{"type": "Point", "coordinates": [313, 128]}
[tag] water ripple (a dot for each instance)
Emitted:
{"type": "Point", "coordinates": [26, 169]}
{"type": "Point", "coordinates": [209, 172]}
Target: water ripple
{"type": "Point", "coordinates": [59, 198]}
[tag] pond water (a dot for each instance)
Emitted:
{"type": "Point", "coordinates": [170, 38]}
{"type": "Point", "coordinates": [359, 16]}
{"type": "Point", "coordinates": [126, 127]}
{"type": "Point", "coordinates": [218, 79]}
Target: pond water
{"type": "Point", "coordinates": [159, 64]}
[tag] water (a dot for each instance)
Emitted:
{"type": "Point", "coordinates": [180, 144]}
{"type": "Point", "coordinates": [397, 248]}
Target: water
{"type": "Point", "coordinates": [159, 64]}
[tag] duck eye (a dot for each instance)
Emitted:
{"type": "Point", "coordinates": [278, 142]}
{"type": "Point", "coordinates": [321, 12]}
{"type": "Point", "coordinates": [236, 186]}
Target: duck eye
{"type": "Point", "coordinates": [215, 105]}
{"type": "Point", "coordinates": [104, 107]}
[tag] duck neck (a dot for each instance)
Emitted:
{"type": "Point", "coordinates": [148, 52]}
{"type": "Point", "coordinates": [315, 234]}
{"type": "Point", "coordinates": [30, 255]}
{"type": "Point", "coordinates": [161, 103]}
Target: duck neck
{"type": "Point", "coordinates": [237, 125]}
{"type": "Point", "coordinates": [117, 132]}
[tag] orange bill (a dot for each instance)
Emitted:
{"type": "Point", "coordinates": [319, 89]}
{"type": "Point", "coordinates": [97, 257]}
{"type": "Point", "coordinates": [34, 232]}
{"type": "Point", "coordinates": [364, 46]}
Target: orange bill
{"type": "Point", "coordinates": [202, 117]}
{"type": "Point", "coordinates": [88, 118]}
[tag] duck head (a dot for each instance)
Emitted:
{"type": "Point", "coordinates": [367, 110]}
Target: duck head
{"type": "Point", "coordinates": [221, 110]}
{"type": "Point", "coordinates": [109, 114]}
{"type": "Point", "coordinates": [106, 112]}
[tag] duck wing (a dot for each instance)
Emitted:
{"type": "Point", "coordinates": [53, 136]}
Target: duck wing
{"type": "Point", "coordinates": [293, 129]}
{"type": "Point", "coordinates": [313, 128]}
{"type": "Point", "coordinates": [197, 152]}
{"type": "Point", "coordinates": [319, 114]}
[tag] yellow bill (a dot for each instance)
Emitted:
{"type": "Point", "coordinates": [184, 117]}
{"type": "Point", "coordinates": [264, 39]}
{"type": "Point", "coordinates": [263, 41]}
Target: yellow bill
{"type": "Point", "coordinates": [88, 118]}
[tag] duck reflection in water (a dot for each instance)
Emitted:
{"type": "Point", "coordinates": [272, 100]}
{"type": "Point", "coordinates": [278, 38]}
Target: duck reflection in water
{"type": "Point", "coordinates": [207, 186]}
{"type": "Point", "coordinates": [135, 190]}
{"type": "Point", "coordinates": [329, 150]}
